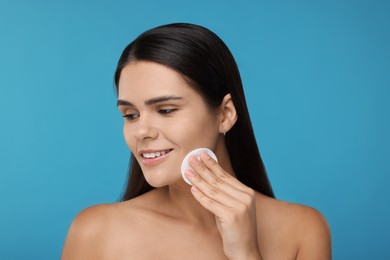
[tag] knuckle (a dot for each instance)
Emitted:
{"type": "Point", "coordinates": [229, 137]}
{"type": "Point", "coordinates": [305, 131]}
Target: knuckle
{"type": "Point", "coordinates": [251, 193]}
{"type": "Point", "coordinates": [204, 197]}
{"type": "Point", "coordinates": [242, 208]}
{"type": "Point", "coordinates": [212, 192]}
{"type": "Point", "coordinates": [209, 201]}
{"type": "Point", "coordinates": [222, 175]}
{"type": "Point", "coordinates": [217, 181]}
{"type": "Point", "coordinates": [248, 198]}
{"type": "Point", "coordinates": [200, 167]}
{"type": "Point", "coordinates": [230, 217]}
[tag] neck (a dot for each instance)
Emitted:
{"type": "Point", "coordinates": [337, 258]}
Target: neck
{"type": "Point", "coordinates": [187, 208]}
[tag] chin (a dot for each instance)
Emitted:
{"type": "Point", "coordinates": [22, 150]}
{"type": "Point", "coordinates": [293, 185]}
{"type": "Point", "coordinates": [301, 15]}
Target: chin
{"type": "Point", "coordinates": [156, 181]}
{"type": "Point", "coordinates": [161, 182]}
{"type": "Point", "coordinates": [158, 177]}
{"type": "Point", "coordinates": [156, 185]}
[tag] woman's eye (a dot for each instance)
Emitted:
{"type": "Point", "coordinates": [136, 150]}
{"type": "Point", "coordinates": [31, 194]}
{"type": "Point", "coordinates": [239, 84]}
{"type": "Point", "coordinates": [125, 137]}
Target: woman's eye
{"type": "Point", "coordinates": [167, 111]}
{"type": "Point", "coordinates": [130, 116]}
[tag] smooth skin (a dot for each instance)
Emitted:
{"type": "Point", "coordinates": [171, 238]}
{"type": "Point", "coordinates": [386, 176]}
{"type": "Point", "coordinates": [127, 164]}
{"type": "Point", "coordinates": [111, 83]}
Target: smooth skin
{"type": "Point", "coordinates": [218, 217]}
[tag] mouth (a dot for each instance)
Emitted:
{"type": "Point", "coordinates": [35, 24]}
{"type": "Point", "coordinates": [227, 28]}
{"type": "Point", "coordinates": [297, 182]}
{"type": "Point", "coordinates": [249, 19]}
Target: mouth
{"type": "Point", "coordinates": [155, 154]}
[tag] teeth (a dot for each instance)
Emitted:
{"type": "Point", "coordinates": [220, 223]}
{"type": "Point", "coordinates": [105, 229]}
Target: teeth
{"type": "Point", "coordinates": [154, 155]}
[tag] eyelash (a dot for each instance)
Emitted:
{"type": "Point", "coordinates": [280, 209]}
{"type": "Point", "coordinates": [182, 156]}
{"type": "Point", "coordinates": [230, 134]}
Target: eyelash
{"type": "Point", "coordinates": [167, 111]}
{"type": "Point", "coordinates": [164, 112]}
{"type": "Point", "coordinates": [130, 117]}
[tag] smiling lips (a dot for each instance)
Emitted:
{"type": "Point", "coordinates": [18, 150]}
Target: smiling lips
{"type": "Point", "coordinates": [155, 154]}
{"type": "Point", "coordinates": [152, 158]}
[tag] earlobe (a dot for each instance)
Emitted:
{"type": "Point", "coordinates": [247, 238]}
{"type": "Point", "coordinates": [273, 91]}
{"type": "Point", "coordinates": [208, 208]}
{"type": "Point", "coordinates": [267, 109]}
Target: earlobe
{"type": "Point", "coordinates": [228, 114]}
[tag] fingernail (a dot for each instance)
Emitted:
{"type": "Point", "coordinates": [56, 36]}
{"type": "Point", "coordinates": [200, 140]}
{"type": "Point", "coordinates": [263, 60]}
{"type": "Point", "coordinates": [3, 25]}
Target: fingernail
{"type": "Point", "coordinates": [190, 173]}
{"type": "Point", "coordinates": [205, 155]}
{"type": "Point", "coordinates": [194, 161]}
{"type": "Point", "coordinates": [194, 189]}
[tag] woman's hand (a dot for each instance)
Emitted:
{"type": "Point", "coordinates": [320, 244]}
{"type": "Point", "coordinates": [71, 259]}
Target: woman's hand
{"type": "Point", "coordinates": [232, 203]}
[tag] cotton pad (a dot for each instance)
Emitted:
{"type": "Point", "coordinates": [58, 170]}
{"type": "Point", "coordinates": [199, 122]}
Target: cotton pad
{"type": "Point", "coordinates": [194, 153]}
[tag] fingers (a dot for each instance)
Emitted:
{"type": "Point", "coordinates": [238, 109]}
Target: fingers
{"type": "Point", "coordinates": [218, 191]}
{"type": "Point", "coordinates": [210, 204]}
{"type": "Point", "coordinates": [211, 172]}
{"type": "Point", "coordinates": [214, 188]}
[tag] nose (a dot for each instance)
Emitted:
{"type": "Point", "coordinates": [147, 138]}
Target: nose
{"type": "Point", "coordinates": [144, 129]}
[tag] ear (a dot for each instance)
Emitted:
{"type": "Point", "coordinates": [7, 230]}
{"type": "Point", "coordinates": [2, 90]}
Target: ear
{"type": "Point", "coordinates": [228, 114]}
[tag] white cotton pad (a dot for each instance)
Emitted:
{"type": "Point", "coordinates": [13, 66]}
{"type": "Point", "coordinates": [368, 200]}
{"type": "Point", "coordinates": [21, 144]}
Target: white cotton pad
{"type": "Point", "coordinates": [194, 153]}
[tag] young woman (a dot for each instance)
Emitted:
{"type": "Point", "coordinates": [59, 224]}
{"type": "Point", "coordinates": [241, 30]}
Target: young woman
{"type": "Point", "coordinates": [179, 89]}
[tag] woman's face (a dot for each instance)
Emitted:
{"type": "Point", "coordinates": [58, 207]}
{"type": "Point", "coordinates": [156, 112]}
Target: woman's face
{"type": "Point", "coordinates": [164, 120]}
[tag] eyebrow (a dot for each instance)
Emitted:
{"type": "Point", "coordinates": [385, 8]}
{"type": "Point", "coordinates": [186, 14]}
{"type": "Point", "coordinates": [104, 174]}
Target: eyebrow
{"type": "Point", "coordinates": [149, 102]}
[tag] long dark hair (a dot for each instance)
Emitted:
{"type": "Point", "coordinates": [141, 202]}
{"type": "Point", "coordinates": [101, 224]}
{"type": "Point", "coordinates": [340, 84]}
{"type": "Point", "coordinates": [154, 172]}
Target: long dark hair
{"type": "Point", "coordinates": [207, 64]}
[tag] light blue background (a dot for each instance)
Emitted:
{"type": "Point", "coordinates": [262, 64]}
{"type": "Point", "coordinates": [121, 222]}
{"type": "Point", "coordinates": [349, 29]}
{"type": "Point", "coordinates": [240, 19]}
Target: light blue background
{"type": "Point", "coordinates": [317, 80]}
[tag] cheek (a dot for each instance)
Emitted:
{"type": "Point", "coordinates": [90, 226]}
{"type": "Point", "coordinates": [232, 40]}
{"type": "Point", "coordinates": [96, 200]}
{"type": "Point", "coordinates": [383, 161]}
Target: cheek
{"type": "Point", "coordinates": [197, 132]}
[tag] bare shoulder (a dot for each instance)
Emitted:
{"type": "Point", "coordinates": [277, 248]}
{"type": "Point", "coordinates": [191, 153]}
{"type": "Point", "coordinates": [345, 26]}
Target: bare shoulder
{"type": "Point", "coordinates": [85, 232]}
{"type": "Point", "coordinates": [302, 229]}
{"type": "Point", "coordinates": [93, 230]}
{"type": "Point", "coordinates": [103, 231]}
